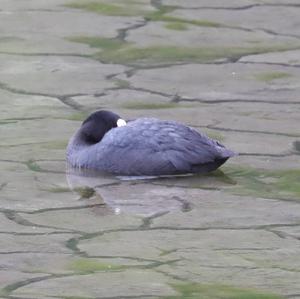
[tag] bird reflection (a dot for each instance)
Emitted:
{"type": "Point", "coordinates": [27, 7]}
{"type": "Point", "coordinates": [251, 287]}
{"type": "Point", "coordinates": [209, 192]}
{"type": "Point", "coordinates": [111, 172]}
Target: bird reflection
{"type": "Point", "coordinates": [141, 196]}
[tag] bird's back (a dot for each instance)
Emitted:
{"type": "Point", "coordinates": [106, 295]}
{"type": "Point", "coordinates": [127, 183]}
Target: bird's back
{"type": "Point", "coordinates": [153, 147]}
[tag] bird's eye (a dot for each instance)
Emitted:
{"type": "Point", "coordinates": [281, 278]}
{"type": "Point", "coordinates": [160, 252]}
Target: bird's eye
{"type": "Point", "coordinates": [121, 122]}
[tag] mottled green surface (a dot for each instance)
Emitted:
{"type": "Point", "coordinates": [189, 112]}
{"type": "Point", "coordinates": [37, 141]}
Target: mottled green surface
{"type": "Point", "coordinates": [115, 51]}
{"type": "Point", "coordinates": [281, 184]}
{"type": "Point", "coordinates": [196, 291]}
{"type": "Point", "coordinates": [230, 70]}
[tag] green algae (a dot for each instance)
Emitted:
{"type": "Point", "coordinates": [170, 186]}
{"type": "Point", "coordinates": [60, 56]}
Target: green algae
{"type": "Point", "coordinates": [281, 184]}
{"type": "Point", "coordinates": [109, 9]}
{"type": "Point", "coordinates": [120, 83]}
{"type": "Point", "coordinates": [85, 192]}
{"type": "Point", "coordinates": [217, 291]}
{"type": "Point", "coordinates": [270, 76]}
{"type": "Point", "coordinates": [214, 134]}
{"type": "Point", "coordinates": [120, 52]}
{"type": "Point", "coordinates": [86, 265]}
{"type": "Point", "coordinates": [173, 54]}
{"type": "Point", "coordinates": [199, 23]}
{"type": "Point", "coordinates": [7, 122]}
{"type": "Point", "coordinates": [179, 26]}
{"type": "Point", "coordinates": [33, 166]}
{"type": "Point", "coordinates": [157, 54]}
{"type": "Point", "coordinates": [160, 15]}
{"type": "Point", "coordinates": [246, 181]}
{"type": "Point", "coordinates": [133, 8]}
{"type": "Point", "coordinates": [98, 42]}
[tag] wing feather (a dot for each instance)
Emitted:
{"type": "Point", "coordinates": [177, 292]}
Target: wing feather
{"type": "Point", "coordinates": [150, 146]}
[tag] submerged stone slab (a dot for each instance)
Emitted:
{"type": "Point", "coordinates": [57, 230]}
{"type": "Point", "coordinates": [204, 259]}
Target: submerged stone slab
{"type": "Point", "coordinates": [267, 162]}
{"type": "Point", "coordinates": [206, 255]}
{"type": "Point", "coordinates": [225, 82]}
{"type": "Point", "coordinates": [123, 98]}
{"type": "Point", "coordinates": [286, 57]}
{"type": "Point", "coordinates": [62, 23]}
{"type": "Point", "coordinates": [207, 36]}
{"type": "Point", "coordinates": [246, 116]}
{"type": "Point", "coordinates": [36, 44]}
{"type": "Point", "coordinates": [268, 18]}
{"type": "Point", "coordinates": [261, 144]}
{"type": "Point", "coordinates": [209, 3]}
{"type": "Point", "coordinates": [16, 5]}
{"type": "Point", "coordinates": [63, 263]}
{"type": "Point", "coordinates": [25, 189]}
{"type": "Point", "coordinates": [57, 75]}
{"type": "Point", "coordinates": [17, 107]}
{"type": "Point", "coordinates": [218, 209]}
{"type": "Point", "coordinates": [142, 283]}
{"type": "Point", "coordinates": [179, 242]}
{"type": "Point", "coordinates": [9, 226]}
{"type": "Point", "coordinates": [289, 231]}
{"type": "Point", "coordinates": [234, 4]}
{"type": "Point", "coordinates": [54, 243]}
{"type": "Point", "coordinates": [11, 277]}
{"type": "Point", "coordinates": [276, 280]}
{"type": "Point", "coordinates": [37, 262]}
{"type": "Point", "coordinates": [89, 220]}
{"type": "Point", "coordinates": [36, 131]}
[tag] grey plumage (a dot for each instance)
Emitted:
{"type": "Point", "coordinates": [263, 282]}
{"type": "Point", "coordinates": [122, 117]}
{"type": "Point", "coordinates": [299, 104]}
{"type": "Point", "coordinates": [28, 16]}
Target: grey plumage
{"type": "Point", "coordinates": [148, 146]}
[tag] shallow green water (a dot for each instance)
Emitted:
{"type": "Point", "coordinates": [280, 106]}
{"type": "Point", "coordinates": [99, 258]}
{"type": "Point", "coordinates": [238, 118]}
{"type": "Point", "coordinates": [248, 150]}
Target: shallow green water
{"type": "Point", "coordinates": [230, 70]}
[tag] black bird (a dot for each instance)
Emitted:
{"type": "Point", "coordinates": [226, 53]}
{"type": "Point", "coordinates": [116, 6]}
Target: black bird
{"type": "Point", "coordinates": [146, 146]}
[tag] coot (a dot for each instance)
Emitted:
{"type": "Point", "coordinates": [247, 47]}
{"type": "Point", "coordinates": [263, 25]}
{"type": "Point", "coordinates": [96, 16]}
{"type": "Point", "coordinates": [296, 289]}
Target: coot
{"type": "Point", "coordinates": [146, 146]}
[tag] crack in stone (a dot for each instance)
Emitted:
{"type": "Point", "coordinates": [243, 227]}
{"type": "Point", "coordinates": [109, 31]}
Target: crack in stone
{"type": "Point", "coordinates": [87, 206]}
{"type": "Point", "coordinates": [3, 185]}
{"type": "Point", "coordinates": [65, 99]}
{"type": "Point", "coordinates": [8, 289]}
{"type": "Point", "coordinates": [283, 235]}
{"type": "Point", "coordinates": [32, 252]}
{"type": "Point", "coordinates": [48, 54]}
{"type": "Point", "coordinates": [156, 4]}
{"type": "Point", "coordinates": [245, 7]}
{"type": "Point", "coordinates": [267, 31]}
{"type": "Point", "coordinates": [252, 101]}
{"type": "Point", "coordinates": [229, 267]}
{"type": "Point", "coordinates": [271, 32]}
{"type": "Point", "coordinates": [172, 276]}
{"type": "Point", "coordinates": [269, 63]}
{"type": "Point", "coordinates": [15, 217]}
{"type": "Point", "coordinates": [186, 187]}
{"type": "Point", "coordinates": [32, 234]}
{"type": "Point", "coordinates": [24, 144]}
{"type": "Point", "coordinates": [70, 102]}
{"type": "Point", "coordinates": [123, 32]}
{"type": "Point", "coordinates": [212, 127]}
{"type": "Point", "coordinates": [72, 243]}
{"type": "Point", "coordinates": [175, 98]}
{"type": "Point", "coordinates": [268, 155]}
{"type": "Point", "coordinates": [14, 286]}
{"type": "Point", "coordinates": [137, 259]}
{"type": "Point", "coordinates": [245, 249]}
{"type": "Point", "coordinates": [149, 220]}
